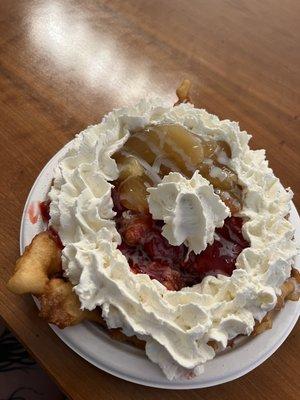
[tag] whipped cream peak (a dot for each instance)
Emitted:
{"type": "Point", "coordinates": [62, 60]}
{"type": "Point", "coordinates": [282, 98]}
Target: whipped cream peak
{"type": "Point", "coordinates": [189, 208]}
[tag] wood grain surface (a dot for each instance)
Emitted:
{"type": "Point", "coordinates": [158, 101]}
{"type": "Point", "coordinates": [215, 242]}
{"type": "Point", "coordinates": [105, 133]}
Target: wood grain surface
{"type": "Point", "coordinates": [64, 64]}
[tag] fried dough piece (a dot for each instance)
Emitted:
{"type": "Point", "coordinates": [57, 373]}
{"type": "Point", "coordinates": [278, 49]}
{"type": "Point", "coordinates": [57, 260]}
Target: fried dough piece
{"type": "Point", "coordinates": [60, 305]}
{"type": "Point", "coordinates": [213, 344]}
{"type": "Point", "coordinates": [41, 260]}
{"type": "Point", "coordinates": [296, 274]}
{"type": "Point", "coordinates": [265, 324]}
{"type": "Point", "coordinates": [288, 292]}
{"type": "Point", "coordinates": [182, 92]}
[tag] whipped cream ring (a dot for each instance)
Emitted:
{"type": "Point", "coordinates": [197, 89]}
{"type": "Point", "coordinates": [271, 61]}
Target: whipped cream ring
{"type": "Point", "coordinates": [176, 326]}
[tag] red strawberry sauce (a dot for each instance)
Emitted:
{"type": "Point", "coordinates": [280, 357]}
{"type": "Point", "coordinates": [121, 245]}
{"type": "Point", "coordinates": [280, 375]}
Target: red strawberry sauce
{"type": "Point", "coordinates": [45, 210]}
{"type": "Point", "coordinates": [45, 213]}
{"type": "Point", "coordinates": [148, 252]}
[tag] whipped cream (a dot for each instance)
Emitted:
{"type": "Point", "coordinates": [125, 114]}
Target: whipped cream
{"type": "Point", "coordinates": [177, 326]}
{"type": "Point", "coordinates": [189, 208]}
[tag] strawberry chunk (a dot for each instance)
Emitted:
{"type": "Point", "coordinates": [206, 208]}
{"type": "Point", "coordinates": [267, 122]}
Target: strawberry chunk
{"type": "Point", "coordinates": [136, 229]}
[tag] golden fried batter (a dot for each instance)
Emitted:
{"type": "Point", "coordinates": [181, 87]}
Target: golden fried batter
{"type": "Point", "coordinates": [41, 260]}
{"type": "Point", "coordinates": [288, 292]}
{"type": "Point", "coordinates": [60, 305]}
{"type": "Point", "coordinates": [265, 324]}
{"type": "Point", "coordinates": [182, 92]}
{"type": "Point", "coordinates": [296, 275]}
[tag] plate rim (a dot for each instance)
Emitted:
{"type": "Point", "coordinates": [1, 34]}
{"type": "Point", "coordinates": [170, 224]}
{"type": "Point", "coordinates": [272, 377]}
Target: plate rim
{"type": "Point", "coordinates": [171, 385]}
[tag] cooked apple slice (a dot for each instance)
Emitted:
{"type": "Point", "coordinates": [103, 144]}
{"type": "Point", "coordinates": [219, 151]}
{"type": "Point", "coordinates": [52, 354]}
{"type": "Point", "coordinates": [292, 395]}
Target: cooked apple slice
{"type": "Point", "coordinates": [155, 151]}
{"type": "Point", "coordinates": [128, 166]}
{"type": "Point", "coordinates": [132, 193]}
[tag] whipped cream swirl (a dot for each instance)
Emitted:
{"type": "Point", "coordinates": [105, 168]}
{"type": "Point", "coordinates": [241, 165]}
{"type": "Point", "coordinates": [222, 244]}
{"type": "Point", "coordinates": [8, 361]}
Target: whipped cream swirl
{"type": "Point", "coordinates": [177, 326]}
{"type": "Point", "coordinates": [189, 208]}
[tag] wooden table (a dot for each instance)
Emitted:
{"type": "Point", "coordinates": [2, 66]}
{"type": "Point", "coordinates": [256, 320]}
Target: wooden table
{"type": "Point", "coordinates": [64, 64]}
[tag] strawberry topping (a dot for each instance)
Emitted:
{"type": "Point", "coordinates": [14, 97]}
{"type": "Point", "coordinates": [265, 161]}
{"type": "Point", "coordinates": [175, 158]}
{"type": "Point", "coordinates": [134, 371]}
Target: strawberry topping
{"type": "Point", "coordinates": [148, 252]}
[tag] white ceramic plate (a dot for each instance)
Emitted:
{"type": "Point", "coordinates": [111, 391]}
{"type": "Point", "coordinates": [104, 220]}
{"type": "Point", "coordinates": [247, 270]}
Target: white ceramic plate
{"type": "Point", "coordinates": [124, 361]}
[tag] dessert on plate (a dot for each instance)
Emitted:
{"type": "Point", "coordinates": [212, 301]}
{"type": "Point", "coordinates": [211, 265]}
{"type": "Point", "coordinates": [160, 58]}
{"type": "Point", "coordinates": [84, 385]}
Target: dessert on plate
{"type": "Point", "coordinates": [164, 227]}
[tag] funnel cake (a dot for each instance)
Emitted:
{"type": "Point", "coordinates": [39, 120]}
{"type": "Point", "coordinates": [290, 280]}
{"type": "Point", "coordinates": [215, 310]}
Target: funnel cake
{"type": "Point", "coordinates": [165, 228]}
